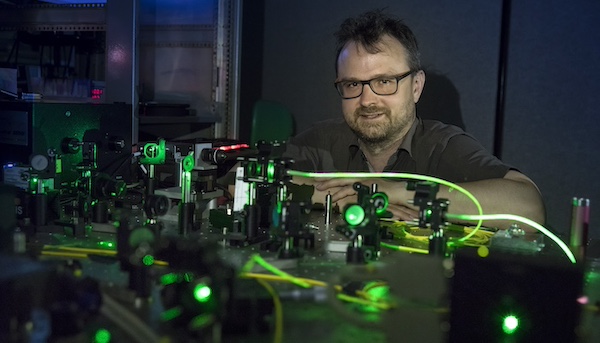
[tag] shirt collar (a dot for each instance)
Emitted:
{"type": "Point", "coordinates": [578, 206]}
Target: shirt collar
{"type": "Point", "coordinates": [407, 142]}
{"type": "Point", "coordinates": [353, 147]}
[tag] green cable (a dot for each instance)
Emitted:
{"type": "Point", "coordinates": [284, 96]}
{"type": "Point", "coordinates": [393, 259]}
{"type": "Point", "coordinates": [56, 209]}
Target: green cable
{"type": "Point", "coordinates": [524, 220]}
{"type": "Point", "coordinates": [399, 176]}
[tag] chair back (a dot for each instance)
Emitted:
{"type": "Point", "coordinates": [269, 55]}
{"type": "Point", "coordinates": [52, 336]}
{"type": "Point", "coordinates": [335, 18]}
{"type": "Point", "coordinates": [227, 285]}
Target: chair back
{"type": "Point", "coordinates": [271, 122]}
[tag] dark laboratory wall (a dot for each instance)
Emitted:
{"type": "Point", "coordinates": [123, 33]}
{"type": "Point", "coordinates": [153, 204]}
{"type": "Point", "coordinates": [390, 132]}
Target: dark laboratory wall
{"type": "Point", "coordinates": [251, 63]}
{"type": "Point", "coordinates": [552, 122]}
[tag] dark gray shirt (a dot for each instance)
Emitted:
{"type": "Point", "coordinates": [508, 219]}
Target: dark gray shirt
{"type": "Point", "coordinates": [430, 148]}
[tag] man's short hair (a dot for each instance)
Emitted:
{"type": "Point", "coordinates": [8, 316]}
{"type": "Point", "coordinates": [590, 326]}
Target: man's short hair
{"type": "Point", "coordinates": [368, 28]}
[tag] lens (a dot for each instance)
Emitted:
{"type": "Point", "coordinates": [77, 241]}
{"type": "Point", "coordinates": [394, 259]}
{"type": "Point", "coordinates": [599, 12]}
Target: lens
{"type": "Point", "coordinates": [384, 86]}
{"type": "Point", "coordinates": [354, 215]}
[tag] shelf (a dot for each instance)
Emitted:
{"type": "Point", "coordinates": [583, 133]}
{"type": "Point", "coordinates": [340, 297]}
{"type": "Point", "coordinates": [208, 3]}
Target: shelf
{"type": "Point", "coordinates": [179, 120]}
{"type": "Point", "coordinates": [84, 17]}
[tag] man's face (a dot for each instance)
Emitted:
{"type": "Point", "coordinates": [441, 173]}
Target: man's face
{"type": "Point", "coordinates": [379, 118]}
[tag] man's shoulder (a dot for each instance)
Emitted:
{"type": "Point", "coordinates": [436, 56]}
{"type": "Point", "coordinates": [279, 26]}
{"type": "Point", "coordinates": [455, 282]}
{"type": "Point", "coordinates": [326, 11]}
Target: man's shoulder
{"type": "Point", "coordinates": [330, 124]}
{"type": "Point", "coordinates": [436, 126]}
{"type": "Point", "coordinates": [437, 131]}
{"type": "Point", "coordinates": [323, 146]}
{"type": "Point", "coordinates": [327, 128]}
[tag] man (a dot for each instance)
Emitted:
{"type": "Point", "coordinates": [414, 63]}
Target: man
{"type": "Point", "coordinates": [380, 80]}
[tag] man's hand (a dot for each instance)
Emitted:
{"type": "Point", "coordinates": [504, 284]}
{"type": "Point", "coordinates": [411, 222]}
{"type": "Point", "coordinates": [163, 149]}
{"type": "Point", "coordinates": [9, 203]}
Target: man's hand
{"type": "Point", "coordinates": [400, 212]}
{"type": "Point", "coordinates": [338, 188]}
{"type": "Point", "coordinates": [343, 187]}
{"type": "Point", "coordinates": [342, 192]}
{"type": "Point", "coordinates": [515, 193]}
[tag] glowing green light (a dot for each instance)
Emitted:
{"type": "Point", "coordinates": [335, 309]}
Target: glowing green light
{"type": "Point", "coordinates": [169, 279]}
{"type": "Point", "coordinates": [354, 215]}
{"type": "Point", "coordinates": [201, 321]}
{"type": "Point", "coordinates": [428, 213]}
{"type": "Point", "coordinates": [592, 276]}
{"type": "Point", "coordinates": [106, 245]}
{"type": "Point", "coordinates": [258, 168]}
{"type": "Point", "coordinates": [381, 202]}
{"type": "Point", "coordinates": [171, 314]}
{"type": "Point", "coordinates": [102, 336]}
{"type": "Point", "coordinates": [120, 189]}
{"type": "Point", "coordinates": [270, 172]}
{"type": "Point", "coordinates": [34, 185]}
{"type": "Point", "coordinates": [148, 260]}
{"type": "Point", "coordinates": [510, 324]}
{"type": "Point", "coordinates": [154, 153]}
{"type": "Point", "coordinates": [377, 292]}
{"type": "Point", "coordinates": [202, 292]}
{"type": "Point", "coordinates": [188, 163]}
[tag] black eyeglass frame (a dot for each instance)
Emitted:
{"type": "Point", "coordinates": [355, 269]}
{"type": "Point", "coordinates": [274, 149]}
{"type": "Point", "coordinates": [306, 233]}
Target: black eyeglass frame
{"type": "Point", "coordinates": [368, 82]}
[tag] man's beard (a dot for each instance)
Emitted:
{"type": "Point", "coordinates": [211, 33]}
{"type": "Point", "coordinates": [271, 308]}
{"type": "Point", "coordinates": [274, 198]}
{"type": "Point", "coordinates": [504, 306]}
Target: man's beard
{"type": "Point", "coordinates": [373, 133]}
{"type": "Point", "coordinates": [382, 133]}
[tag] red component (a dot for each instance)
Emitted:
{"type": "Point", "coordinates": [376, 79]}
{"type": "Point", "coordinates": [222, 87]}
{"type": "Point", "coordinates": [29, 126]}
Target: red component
{"type": "Point", "coordinates": [233, 147]}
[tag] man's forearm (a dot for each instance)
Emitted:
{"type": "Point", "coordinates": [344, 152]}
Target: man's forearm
{"type": "Point", "coordinates": [514, 194]}
{"type": "Point", "coordinates": [498, 196]}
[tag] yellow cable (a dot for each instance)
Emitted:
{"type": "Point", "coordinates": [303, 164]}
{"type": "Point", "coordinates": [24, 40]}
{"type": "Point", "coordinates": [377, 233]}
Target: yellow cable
{"type": "Point", "coordinates": [161, 263]}
{"type": "Point", "coordinates": [63, 254]}
{"type": "Point", "coordinates": [405, 249]}
{"type": "Point", "coordinates": [277, 271]}
{"type": "Point", "coordinates": [278, 335]}
{"type": "Point", "coordinates": [401, 230]}
{"type": "Point", "coordinates": [83, 250]}
{"type": "Point", "coordinates": [72, 252]}
{"type": "Point", "coordinates": [269, 277]}
{"type": "Point", "coordinates": [360, 301]}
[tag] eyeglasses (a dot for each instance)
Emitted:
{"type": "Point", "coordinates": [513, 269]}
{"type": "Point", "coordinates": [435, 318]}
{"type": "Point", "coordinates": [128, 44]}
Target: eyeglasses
{"type": "Point", "coordinates": [385, 85]}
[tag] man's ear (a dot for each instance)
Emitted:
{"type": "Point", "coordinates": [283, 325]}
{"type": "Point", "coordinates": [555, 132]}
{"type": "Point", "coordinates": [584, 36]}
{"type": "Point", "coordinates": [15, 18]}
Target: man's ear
{"type": "Point", "coordinates": [418, 84]}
